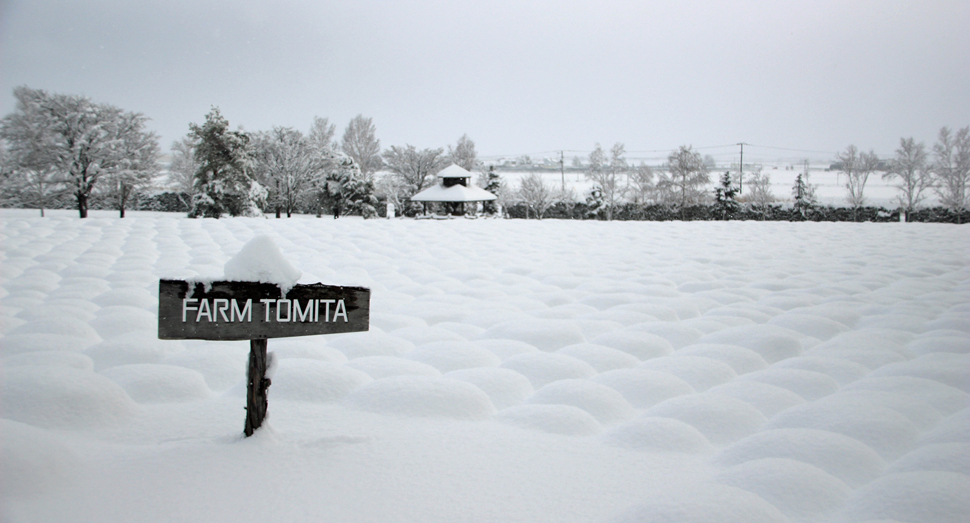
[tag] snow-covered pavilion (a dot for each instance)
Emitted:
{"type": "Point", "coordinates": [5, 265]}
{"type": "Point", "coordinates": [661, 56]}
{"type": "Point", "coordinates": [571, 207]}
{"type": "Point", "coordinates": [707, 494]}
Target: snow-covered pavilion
{"type": "Point", "coordinates": [454, 187]}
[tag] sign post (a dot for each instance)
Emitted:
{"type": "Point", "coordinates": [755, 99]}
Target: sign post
{"type": "Point", "coordinates": [254, 311]}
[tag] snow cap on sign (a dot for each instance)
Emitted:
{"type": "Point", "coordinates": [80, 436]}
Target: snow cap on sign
{"type": "Point", "coordinates": [260, 260]}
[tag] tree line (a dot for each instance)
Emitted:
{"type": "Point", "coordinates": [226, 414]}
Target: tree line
{"type": "Point", "coordinates": [55, 145]}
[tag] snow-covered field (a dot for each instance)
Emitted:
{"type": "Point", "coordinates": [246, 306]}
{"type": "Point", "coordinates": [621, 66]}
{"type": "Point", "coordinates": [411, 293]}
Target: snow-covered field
{"type": "Point", "coordinates": [515, 371]}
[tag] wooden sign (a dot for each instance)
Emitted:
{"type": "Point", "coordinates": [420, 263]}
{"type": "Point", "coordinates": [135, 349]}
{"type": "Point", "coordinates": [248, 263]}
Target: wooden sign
{"type": "Point", "coordinates": [232, 310]}
{"type": "Point", "coordinates": [227, 310]}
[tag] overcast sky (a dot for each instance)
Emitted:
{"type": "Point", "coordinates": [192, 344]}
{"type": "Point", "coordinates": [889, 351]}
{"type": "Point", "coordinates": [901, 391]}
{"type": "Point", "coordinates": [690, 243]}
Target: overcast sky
{"type": "Point", "coordinates": [519, 77]}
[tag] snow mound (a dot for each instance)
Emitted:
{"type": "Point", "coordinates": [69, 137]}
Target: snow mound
{"type": "Point", "coordinates": [555, 419]}
{"type": "Point", "coordinates": [928, 344]}
{"type": "Point", "coordinates": [809, 324]}
{"type": "Point", "coordinates": [921, 413]}
{"type": "Point", "coordinates": [704, 503]}
{"type": "Point", "coordinates": [808, 384]}
{"type": "Point", "coordinates": [154, 383]}
{"type": "Point", "coordinates": [888, 432]}
{"type": "Point", "coordinates": [378, 367]}
{"type": "Point", "coordinates": [505, 349]}
{"type": "Point", "coordinates": [801, 491]}
{"type": "Point", "coordinates": [128, 297]}
{"type": "Point", "coordinates": [872, 348]}
{"type": "Point", "coordinates": [769, 399]}
{"type": "Point", "coordinates": [33, 460]}
{"type": "Point", "coordinates": [940, 497]}
{"type": "Point", "coordinates": [604, 403]}
{"type": "Point", "coordinates": [644, 388]}
{"type": "Point", "coordinates": [944, 398]}
{"type": "Point", "coordinates": [643, 345]}
{"type": "Point", "coordinates": [370, 343]}
{"type": "Point", "coordinates": [956, 427]}
{"type": "Point", "coordinates": [700, 372]}
{"type": "Point", "coordinates": [425, 335]}
{"type": "Point", "coordinates": [544, 367]}
{"type": "Point", "coordinates": [306, 347]}
{"type": "Point", "coordinates": [678, 335]}
{"type": "Point", "coordinates": [773, 343]}
{"type": "Point", "coordinates": [261, 260]}
{"type": "Point", "coordinates": [61, 326]}
{"type": "Point", "coordinates": [741, 359]}
{"type": "Point", "coordinates": [314, 380]}
{"type": "Point", "coordinates": [504, 387]}
{"type": "Point", "coordinates": [841, 456]}
{"type": "Point", "coordinates": [659, 435]}
{"type": "Point", "coordinates": [721, 419]}
{"type": "Point", "coordinates": [56, 358]}
{"type": "Point", "coordinates": [546, 335]}
{"type": "Point", "coordinates": [447, 356]}
{"type": "Point", "coordinates": [122, 319]}
{"type": "Point", "coordinates": [223, 364]}
{"type": "Point", "coordinates": [62, 397]}
{"type": "Point", "coordinates": [600, 357]}
{"type": "Point", "coordinates": [947, 457]}
{"type": "Point", "coordinates": [949, 369]}
{"type": "Point", "coordinates": [844, 371]}
{"type": "Point", "coordinates": [423, 396]}
{"type": "Point", "coordinates": [130, 348]}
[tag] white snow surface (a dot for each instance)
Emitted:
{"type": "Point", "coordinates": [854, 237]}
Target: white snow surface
{"type": "Point", "coordinates": [515, 371]}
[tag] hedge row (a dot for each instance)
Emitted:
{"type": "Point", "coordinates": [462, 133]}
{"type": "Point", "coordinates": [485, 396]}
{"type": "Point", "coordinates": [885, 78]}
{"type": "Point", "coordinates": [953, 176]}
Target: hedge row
{"type": "Point", "coordinates": [638, 212]}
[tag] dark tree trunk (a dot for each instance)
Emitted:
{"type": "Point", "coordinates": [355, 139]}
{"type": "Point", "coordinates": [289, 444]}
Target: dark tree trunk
{"type": "Point", "coordinates": [256, 387]}
{"type": "Point", "coordinates": [278, 211]}
{"type": "Point", "coordinates": [82, 204]}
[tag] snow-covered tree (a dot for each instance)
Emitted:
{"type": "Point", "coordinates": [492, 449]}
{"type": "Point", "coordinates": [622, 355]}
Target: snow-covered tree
{"type": "Point", "coordinates": [536, 194]}
{"type": "Point", "coordinates": [181, 172]}
{"type": "Point", "coordinates": [686, 177]}
{"type": "Point", "coordinates": [416, 168]}
{"type": "Point", "coordinates": [288, 165]}
{"type": "Point", "coordinates": [136, 165]}
{"type": "Point", "coordinates": [803, 194]}
{"type": "Point", "coordinates": [606, 173]}
{"type": "Point", "coordinates": [224, 183]}
{"type": "Point", "coordinates": [463, 154]}
{"type": "Point", "coordinates": [360, 143]}
{"type": "Point", "coordinates": [491, 182]}
{"type": "Point", "coordinates": [911, 168]}
{"type": "Point", "coordinates": [641, 183]}
{"type": "Point", "coordinates": [346, 190]}
{"type": "Point", "coordinates": [759, 191]}
{"type": "Point", "coordinates": [30, 173]}
{"type": "Point", "coordinates": [70, 139]}
{"type": "Point", "coordinates": [857, 167]}
{"type": "Point", "coordinates": [725, 205]}
{"type": "Point", "coordinates": [951, 168]}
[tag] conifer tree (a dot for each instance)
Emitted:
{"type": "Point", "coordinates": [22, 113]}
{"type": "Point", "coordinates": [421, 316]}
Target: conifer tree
{"type": "Point", "coordinates": [223, 183]}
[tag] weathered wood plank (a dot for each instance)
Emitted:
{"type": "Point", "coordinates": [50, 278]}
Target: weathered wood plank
{"type": "Point", "coordinates": [250, 310]}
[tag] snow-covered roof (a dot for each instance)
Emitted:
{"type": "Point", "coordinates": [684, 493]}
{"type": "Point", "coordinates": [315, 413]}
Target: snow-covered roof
{"type": "Point", "coordinates": [455, 193]}
{"type": "Point", "coordinates": [454, 171]}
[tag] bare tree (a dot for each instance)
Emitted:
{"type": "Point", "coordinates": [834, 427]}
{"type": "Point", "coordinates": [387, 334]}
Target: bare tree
{"type": "Point", "coordinates": [321, 134]}
{"type": "Point", "coordinates": [910, 166]}
{"type": "Point", "coordinates": [951, 168]}
{"type": "Point", "coordinates": [413, 166]}
{"type": "Point", "coordinates": [361, 144]}
{"type": "Point", "coordinates": [857, 167]}
{"type": "Point", "coordinates": [687, 177]}
{"type": "Point", "coordinates": [604, 172]}
{"type": "Point", "coordinates": [536, 194]}
{"type": "Point", "coordinates": [463, 155]}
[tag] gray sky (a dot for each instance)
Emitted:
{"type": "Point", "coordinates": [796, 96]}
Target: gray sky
{"type": "Point", "coordinates": [519, 77]}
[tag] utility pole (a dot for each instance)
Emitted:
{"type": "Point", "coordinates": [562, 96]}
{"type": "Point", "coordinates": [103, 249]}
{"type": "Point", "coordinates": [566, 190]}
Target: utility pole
{"type": "Point", "coordinates": [741, 168]}
{"type": "Point", "coordinates": [562, 171]}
